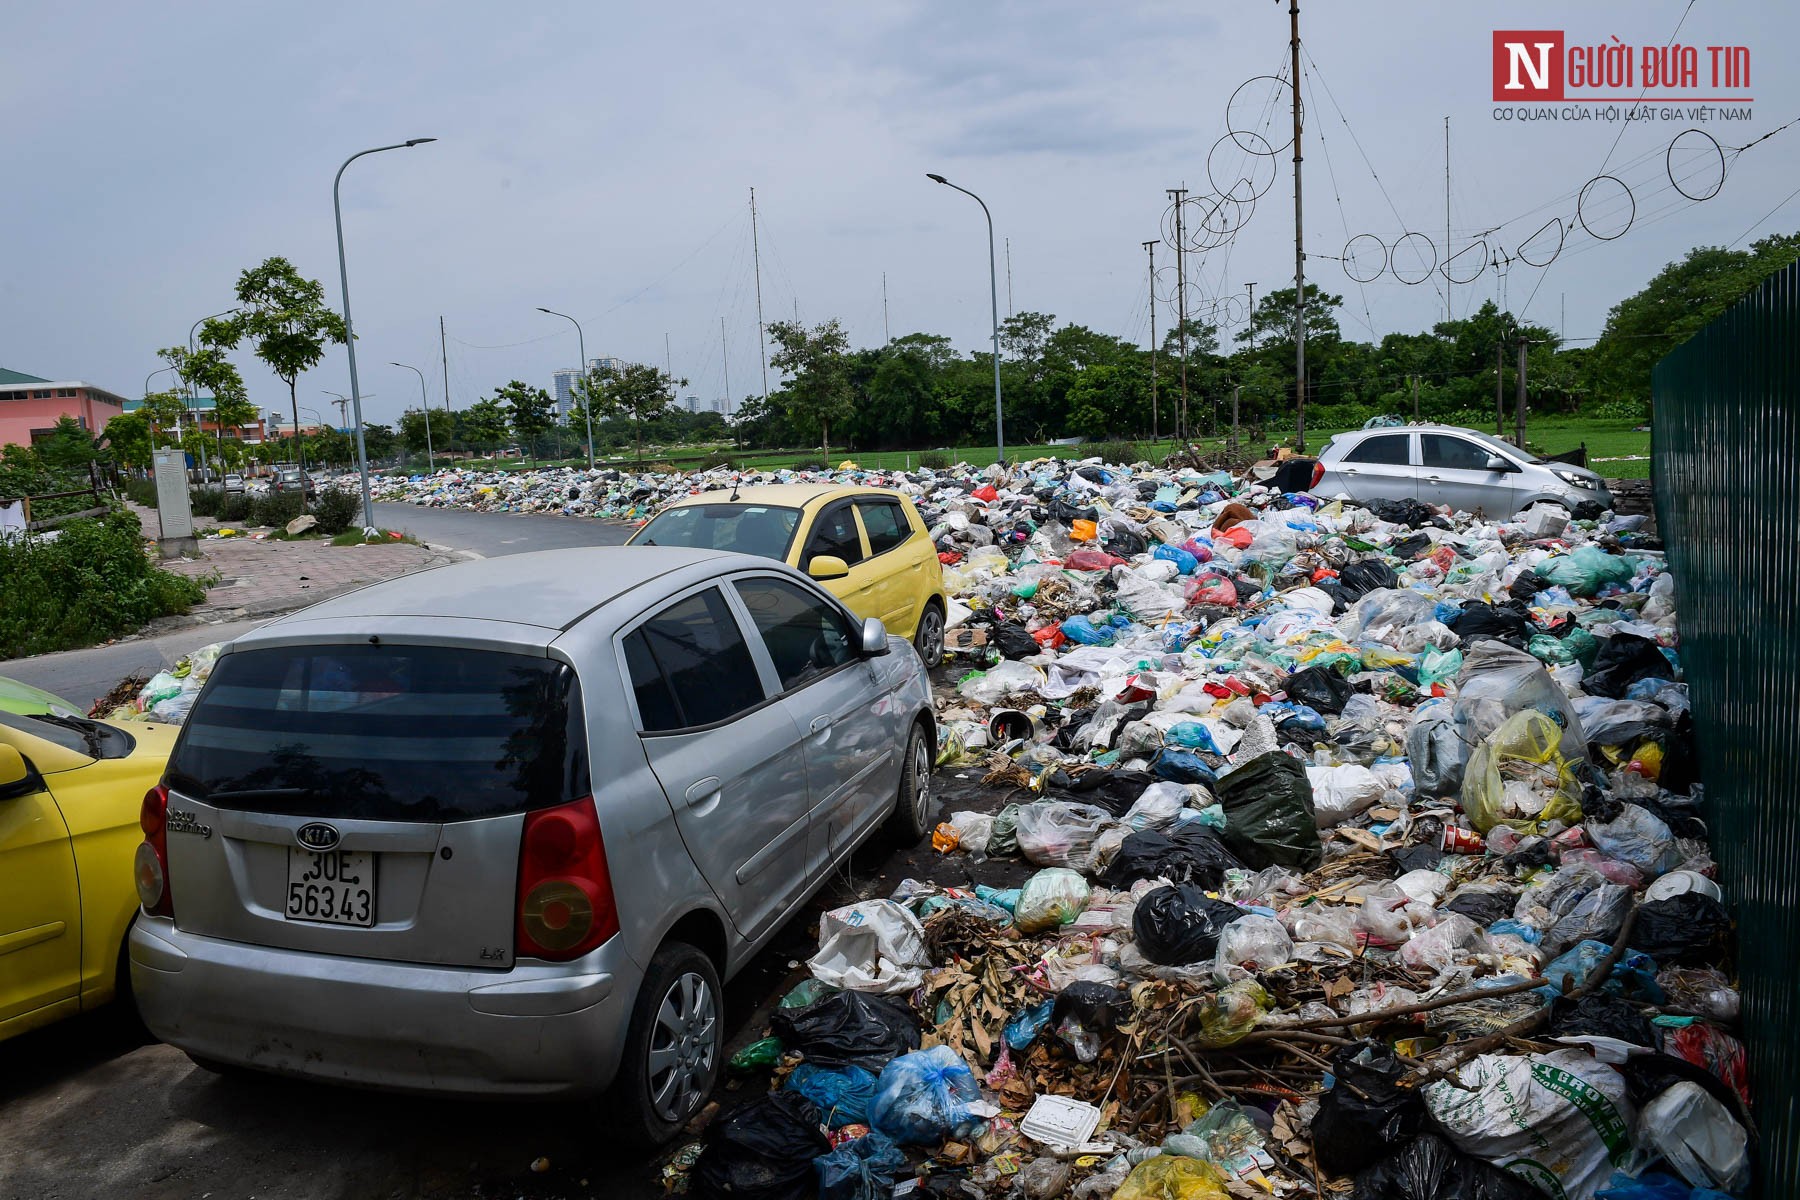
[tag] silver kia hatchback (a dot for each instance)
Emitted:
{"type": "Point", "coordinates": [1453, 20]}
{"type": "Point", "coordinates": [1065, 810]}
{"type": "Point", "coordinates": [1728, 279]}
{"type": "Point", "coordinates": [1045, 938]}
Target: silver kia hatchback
{"type": "Point", "coordinates": [1447, 464]}
{"type": "Point", "coordinates": [502, 828]}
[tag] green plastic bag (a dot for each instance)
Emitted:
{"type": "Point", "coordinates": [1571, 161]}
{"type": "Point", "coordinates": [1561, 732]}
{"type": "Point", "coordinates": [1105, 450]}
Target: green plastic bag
{"type": "Point", "coordinates": [1004, 837]}
{"type": "Point", "coordinates": [1587, 570]}
{"type": "Point", "coordinates": [1437, 665]}
{"type": "Point", "coordinates": [1269, 814]}
{"type": "Point", "coordinates": [757, 1056]}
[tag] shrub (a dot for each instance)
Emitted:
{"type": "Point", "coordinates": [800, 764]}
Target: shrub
{"type": "Point", "coordinates": [1117, 454]}
{"type": "Point", "coordinates": [337, 510]}
{"type": "Point", "coordinates": [715, 460]}
{"type": "Point", "coordinates": [141, 491]}
{"type": "Point", "coordinates": [935, 460]}
{"type": "Point", "coordinates": [234, 509]}
{"type": "Point", "coordinates": [205, 502]}
{"type": "Point", "coordinates": [275, 508]}
{"type": "Point", "coordinates": [92, 582]}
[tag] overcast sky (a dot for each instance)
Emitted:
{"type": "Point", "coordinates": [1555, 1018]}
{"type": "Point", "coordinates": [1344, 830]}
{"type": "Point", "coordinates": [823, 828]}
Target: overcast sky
{"type": "Point", "coordinates": [598, 158]}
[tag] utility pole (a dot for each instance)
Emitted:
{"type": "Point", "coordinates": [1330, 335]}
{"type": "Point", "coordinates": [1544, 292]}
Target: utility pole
{"type": "Point", "coordinates": [444, 357]}
{"type": "Point", "coordinates": [1299, 245]}
{"type": "Point", "coordinates": [1499, 398]}
{"type": "Point", "coordinates": [1519, 416]}
{"type": "Point", "coordinates": [1009, 303]}
{"type": "Point", "coordinates": [668, 358]}
{"type": "Point", "coordinates": [725, 357]}
{"type": "Point", "coordinates": [1415, 383]}
{"type": "Point", "coordinates": [1151, 247]}
{"type": "Point", "coordinates": [1235, 388]}
{"type": "Point", "coordinates": [762, 330]}
{"type": "Point", "coordinates": [1447, 316]}
{"type": "Point", "coordinates": [886, 332]}
{"type": "Point", "coordinates": [1179, 196]}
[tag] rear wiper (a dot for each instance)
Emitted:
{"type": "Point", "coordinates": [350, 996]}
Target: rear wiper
{"type": "Point", "coordinates": [257, 793]}
{"type": "Point", "coordinates": [89, 730]}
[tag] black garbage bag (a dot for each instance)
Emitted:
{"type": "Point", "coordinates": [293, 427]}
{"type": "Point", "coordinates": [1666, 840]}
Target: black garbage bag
{"type": "Point", "coordinates": [1481, 906]}
{"type": "Point", "coordinates": [1179, 925]}
{"type": "Point", "coordinates": [1689, 930]}
{"type": "Point", "coordinates": [1358, 579]}
{"type": "Point", "coordinates": [1321, 690]}
{"type": "Point", "coordinates": [763, 1151]}
{"type": "Point", "coordinates": [1681, 760]}
{"type": "Point", "coordinates": [1408, 512]}
{"type": "Point", "coordinates": [1294, 475]}
{"type": "Point", "coordinates": [1269, 814]}
{"type": "Point", "coordinates": [1430, 1168]}
{"type": "Point", "coordinates": [848, 1029]}
{"type": "Point", "coordinates": [1600, 1014]}
{"type": "Point", "coordinates": [1189, 854]}
{"type": "Point", "coordinates": [1125, 543]}
{"type": "Point", "coordinates": [1526, 586]}
{"type": "Point", "coordinates": [1067, 513]}
{"type": "Point", "coordinates": [1114, 790]}
{"type": "Point", "coordinates": [1509, 623]}
{"type": "Point", "coordinates": [1365, 1117]}
{"type": "Point", "coordinates": [1099, 1007]}
{"type": "Point", "coordinates": [1648, 1076]}
{"type": "Point", "coordinates": [1624, 659]}
{"type": "Point", "coordinates": [1247, 589]}
{"type": "Point", "coordinates": [1341, 600]}
{"type": "Point", "coordinates": [1417, 858]}
{"type": "Point", "coordinates": [1014, 641]}
{"type": "Point", "coordinates": [1408, 548]}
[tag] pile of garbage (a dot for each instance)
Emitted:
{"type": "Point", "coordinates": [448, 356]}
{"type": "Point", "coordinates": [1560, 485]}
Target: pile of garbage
{"type": "Point", "coordinates": [166, 697]}
{"type": "Point", "coordinates": [1367, 860]}
{"type": "Point", "coordinates": [617, 495]}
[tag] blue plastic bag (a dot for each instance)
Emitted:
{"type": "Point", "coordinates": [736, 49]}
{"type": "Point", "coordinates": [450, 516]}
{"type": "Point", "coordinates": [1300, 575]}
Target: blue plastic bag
{"type": "Point", "coordinates": [1192, 734]}
{"type": "Point", "coordinates": [924, 1097]}
{"type": "Point", "coordinates": [1079, 629]}
{"type": "Point", "coordinates": [1186, 563]}
{"type": "Point", "coordinates": [863, 1168]}
{"type": "Point", "coordinates": [1654, 1186]}
{"type": "Point", "coordinates": [841, 1093]}
{"type": "Point", "coordinates": [1634, 976]}
{"type": "Point", "coordinates": [1006, 898]}
{"type": "Point", "coordinates": [1182, 767]}
{"type": "Point", "coordinates": [1023, 1029]}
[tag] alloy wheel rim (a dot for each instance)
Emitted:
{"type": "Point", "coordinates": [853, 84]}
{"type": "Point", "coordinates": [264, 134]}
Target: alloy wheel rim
{"type": "Point", "coordinates": [683, 1048]}
{"type": "Point", "coordinates": [934, 634]}
{"type": "Point", "coordinates": [921, 769]}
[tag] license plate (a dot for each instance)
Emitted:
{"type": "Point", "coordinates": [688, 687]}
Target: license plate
{"type": "Point", "coordinates": [336, 887]}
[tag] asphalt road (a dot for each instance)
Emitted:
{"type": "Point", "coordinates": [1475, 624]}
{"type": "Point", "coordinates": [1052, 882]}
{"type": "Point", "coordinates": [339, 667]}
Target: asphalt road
{"type": "Point", "coordinates": [492, 534]}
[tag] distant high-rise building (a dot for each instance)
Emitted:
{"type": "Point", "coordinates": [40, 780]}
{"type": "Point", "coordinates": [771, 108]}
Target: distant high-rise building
{"type": "Point", "coordinates": [566, 377]}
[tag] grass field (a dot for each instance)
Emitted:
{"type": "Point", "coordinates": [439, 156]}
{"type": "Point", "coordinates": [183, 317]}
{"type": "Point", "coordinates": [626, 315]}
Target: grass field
{"type": "Point", "coordinates": [1615, 449]}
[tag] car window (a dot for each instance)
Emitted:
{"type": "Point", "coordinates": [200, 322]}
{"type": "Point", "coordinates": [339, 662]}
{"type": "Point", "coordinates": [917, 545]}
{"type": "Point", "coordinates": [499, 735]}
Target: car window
{"type": "Point", "coordinates": [835, 533]}
{"type": "Point", "coordinates": [384, 733]}
{"type": "Point", "coordinates": [690, 666]}
{"type": "Point", "coordinates": [1444, 450]}
{"type": "Point", "coordinates": [1389, 449]}
{"type": "Point", "coordinates": [885, 523]}
{"type": "Point", "coordinates": [760, 529]}
{"type": "Point", "coordinates": [806, 635]}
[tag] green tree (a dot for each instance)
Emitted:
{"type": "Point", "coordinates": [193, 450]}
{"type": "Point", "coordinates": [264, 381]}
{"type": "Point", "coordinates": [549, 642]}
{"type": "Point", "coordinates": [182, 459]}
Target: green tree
{"type": "Point", "coordinates": [164, 411]}
{"type": "Point", "coordinates": [818, 392]}
{"type": "Point", "coordinates": [636, 390]}
{"type": "Point", "coordinates": [69, 448]}
{"type": "Point", "coordinates": [483, 423]}
{"type": "Point", "coordinates": [529, 410]}
{"type": "Point", "coordinates": [413, 430]}
{"type": "Point", "coordinates": [379, 441]}
{"type": "Point", "coordinates": [128, 436]}
{"type": "Point", "coordinates": [284, 314]}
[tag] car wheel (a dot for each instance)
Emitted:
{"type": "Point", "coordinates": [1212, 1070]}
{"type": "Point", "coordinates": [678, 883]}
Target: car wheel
{"type": "Point", "coordinates": [672, 1048]}
{"type": "Point", "coordinates": [223, 1070]}
{"type": "Point", "coordinates": [928, 638]}
{"type": "Point", "coordinates": [912, 810]}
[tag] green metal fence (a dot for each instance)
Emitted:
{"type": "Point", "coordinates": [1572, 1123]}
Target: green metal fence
{"type": "Point", "coordinates": [1726, 460]}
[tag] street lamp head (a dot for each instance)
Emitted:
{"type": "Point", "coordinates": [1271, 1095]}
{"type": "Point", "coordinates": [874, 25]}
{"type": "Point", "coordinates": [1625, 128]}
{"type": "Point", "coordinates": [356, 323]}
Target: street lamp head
{"type": "Point", "coordinates": [545, 310]}
{"type": "Point", "coordinates": [936, 178]}
{"type": "Point", "coordinates": [419, 141]}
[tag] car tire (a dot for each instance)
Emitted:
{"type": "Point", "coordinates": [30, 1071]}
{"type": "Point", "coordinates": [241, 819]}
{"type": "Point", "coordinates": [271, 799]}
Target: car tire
{"type": "Point", "coordinates": [912, 807]}
{"type": "Point", "coordinates": [678, 1021]}
{"type": "Point", "coordinates": [928, 638]}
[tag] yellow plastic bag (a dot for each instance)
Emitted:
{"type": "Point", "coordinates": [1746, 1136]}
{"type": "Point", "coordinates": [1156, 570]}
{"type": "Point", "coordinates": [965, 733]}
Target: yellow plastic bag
{"type": "Point", "coordinates": [1232, 1012]}
{"type": "Point", "coordinates": [1173, 1177]}
{"type": "Point", "coordinates": [1517, 776]}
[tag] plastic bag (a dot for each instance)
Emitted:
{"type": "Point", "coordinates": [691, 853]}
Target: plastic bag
{"type": "Point", "coordinates": [1319, 689]}
{"type": "Point", "coordinates": [1586, 570]}
{"type": "Point", "coordinates": [1157, 807]}
{"type": "Point", "coordinates": [1445, 944]}
{"type": "Point", "coordinates": [1518, 776]}
{"type": "Point", "coordinates": [973, 831]}
{"type": "Point", "coordinates": [1173, 1177]}
{"type": "Point", "coordinates": [1051, 898]}
{"type": "Point", "coordinates": [1436, 753]}
{"type": "Point", "coordinates": [1698, 1136]}
{"type": "Point", "coordinates": [1231, 1012]}
{"type": "Point", "coordinates": [1437, 665]}
{"type": "Point", "coordinates": [1560, 1119]}
{"type": "Point", "coordinates": [1003, 835]}
{"type": "Point", "coordinates": [841, 1094]}
{"type": "Point", "coordinates": [1654, 1185]}
{"type": "Point", "coordinates": [1497, 682]}
{"type": "Point", "coordinates": [927, 1096]}
{"type": "Point", "coordinates": [1625, 659]}
{"type": "Point", "coordinates": [1633, 976]}
{"type": "Point", "coordinates": [1702, 991]}
{"type": "Point", "coordinates": [1430, 1168]}
{"type": "Point", "coordinates": [1639, 837]}
{"type": "Point", "coordinates": [1341, 792]}
{"type": "Point", "coordinates": [1178, 766]}
{"type": "Point", "coordinates": [762, 1151]}
{"type": "Point", "coordinates": [1269, 814]}
{"type": "Point", "coordinates": [1181, 924]}
{"type": "Point", "coordinates": [863, 1168]}
{"type": "Point", "coordinates": [871, 946]}
{"type": "Point", "coordinates": [1079, 629]}
{"type": "Point", "coordinates": [1364, 1117]}
{"type": "Point", "coordinates": [848, 1029]}
{"type": "Point", "coordinates": [1710, 1047]}
{"type": "Point", "coordinates": [1596, 916]}
{"type": "Point", "coordinates": [1252, 941]}
{"type": "Point", "coordinates": [1688, 930]}
{"type": "Point", "coordinates": [1054, 834]}
{"type": "Point", "coordinates": [1190, 853]}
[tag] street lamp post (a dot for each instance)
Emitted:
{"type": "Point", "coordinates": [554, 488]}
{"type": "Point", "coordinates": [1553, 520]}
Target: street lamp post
{"type": "Point", "coordinates": [198, 421]}
{"type": "Point", "coordinates": [425, 406]}
{"type": "Point", "coordinates": [150, 419]}
{"type": "Point", "coordinates": [337, 212]}
{"type": "Point", "coordinates": [994, 297]}
{"type": "Point", "coordinates": [587, 404]}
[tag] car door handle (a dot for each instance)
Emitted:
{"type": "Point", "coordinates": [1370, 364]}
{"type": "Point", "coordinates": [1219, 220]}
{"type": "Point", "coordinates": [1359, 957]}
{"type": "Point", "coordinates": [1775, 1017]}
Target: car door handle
{"type": "Point", "coordinates": [819, 725]}
{"type": "Point", "coordinates": [1350, 471]}
{"type": "Point", "coordinates": [1435, 478]}
{"type": "Point", "coordinates": [702, 790]}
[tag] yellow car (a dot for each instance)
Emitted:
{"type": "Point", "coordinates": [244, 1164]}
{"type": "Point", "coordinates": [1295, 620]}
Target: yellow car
{"type": "Point", "coordinates": [71, 790]}
{"type": "Point", "coordinates": [866, 546]}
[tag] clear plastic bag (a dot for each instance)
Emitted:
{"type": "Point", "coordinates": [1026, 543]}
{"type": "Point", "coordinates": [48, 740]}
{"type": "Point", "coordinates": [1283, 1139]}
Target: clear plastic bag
{"type": "Point", "coordinates": [1445, 944]}
{"type": "Point", "coordinates": [1055, 834]}
{"type": "Point", "coordinates": [1254, 941]}
{"type": "Point", "coordinates": [1497, 682]}
{"type": "Point", "coordinates": [1052, 898]}
{"type": "Point", "coordinates": [1639, 837]}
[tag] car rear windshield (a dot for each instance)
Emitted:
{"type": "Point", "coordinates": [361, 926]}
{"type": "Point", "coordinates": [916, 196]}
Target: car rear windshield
{"type": "Point", "coordinates": [760, 529]}
{"type": "Point", "coordinates": [385, 733]}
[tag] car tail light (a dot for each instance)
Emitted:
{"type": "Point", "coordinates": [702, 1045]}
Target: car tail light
{"type": "Point", "coordinates": [566, 903]}
{"type": "Point", "coordinates": [152, 862]}
{"type": "Point", "coordinates": [1318, 474]}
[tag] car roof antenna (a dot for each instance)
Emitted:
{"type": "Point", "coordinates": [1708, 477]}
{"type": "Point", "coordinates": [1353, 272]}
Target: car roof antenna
{"type": "Point", "coordinates": [734, 488]}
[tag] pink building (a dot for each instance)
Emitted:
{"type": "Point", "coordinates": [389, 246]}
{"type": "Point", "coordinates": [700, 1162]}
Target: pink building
{"type": "Point", "coordinates": [30, 406]}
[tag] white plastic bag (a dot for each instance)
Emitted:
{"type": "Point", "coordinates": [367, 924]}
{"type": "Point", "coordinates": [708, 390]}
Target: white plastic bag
{"type": "Point", "coordinates": [1342, 792]}
{"type": "Point", "coordinates": [1698, 1136]}
{"type": "Point", "coordinates": [1157, 807]}
{"type": "Point", "coordinates": [1560, 1120]}
{"type": "Point", "coordinates": [1252, 941]}
{"type": "Point", "coordinates": [871, 946]}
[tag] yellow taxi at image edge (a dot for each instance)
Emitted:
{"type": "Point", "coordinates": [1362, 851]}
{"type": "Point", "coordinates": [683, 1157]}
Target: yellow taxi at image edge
{"type": "Point", "coordinates": [70, 793]}
{"type": "Point", "coordinates": [867, 546]}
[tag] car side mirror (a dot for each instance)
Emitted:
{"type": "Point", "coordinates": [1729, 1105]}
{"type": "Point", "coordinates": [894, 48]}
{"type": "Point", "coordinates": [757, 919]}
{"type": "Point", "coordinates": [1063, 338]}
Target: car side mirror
{"type": "Point", "coordinates": [1496, 463]}
{"type": "Point", "coordinates": [827, 566]}
{"type": "Point", "coordinates": [16, 776]}
{"type": "Point", "coordinates": [874, 638]}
